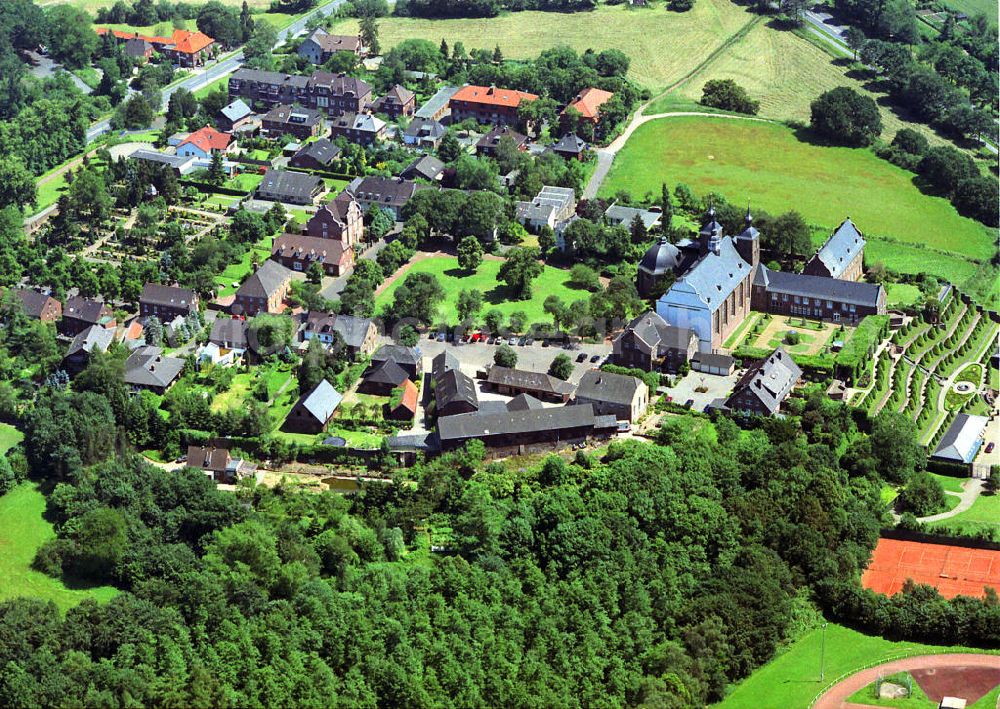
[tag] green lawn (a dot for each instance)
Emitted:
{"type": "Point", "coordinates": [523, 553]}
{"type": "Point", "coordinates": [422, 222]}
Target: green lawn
{"type": "Point", "coordinates": [495, 294]}
{"type": "Point", "coordinates": [89, 76]}
{"type": "Point", "coordinates": [9, 437]}
{"type": "Point", "coordinates": [663, 46]}
{"type": "Point", "coordinates": [792, 679]}
{"type": "Point", "coordinates": [916, 700]}
{"type": "Point", "coordinates": [982, 516]}
{"type": "Point", "coordinates": [245, 181]}
{"type": "Point", "coordinates": [769, 166]}
{"type": "Point", "coordinates": [23, 530]}
{"type": "Point", "coordinates": [50, 192]}
{"type": "Point", "coordinates": [949, 482]}
{"type": "Point", "coordinates": [221, 83]}
{"type": "Point", "coordinates": [236, 272]}
{"type": "Point", "coordinates": [902, 294]}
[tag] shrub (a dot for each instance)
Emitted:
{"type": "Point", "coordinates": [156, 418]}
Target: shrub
{"type": "Point", "coordinates": [729, 96]}
{"type": "Point", "coordinates": [844, 116]}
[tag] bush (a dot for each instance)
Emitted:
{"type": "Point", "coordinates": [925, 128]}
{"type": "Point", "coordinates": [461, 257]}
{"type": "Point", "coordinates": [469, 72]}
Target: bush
{"type": "Point", "coordinates": [844, 116]}
{"type": "Point", "coordinates": [923, 495]}
{"type": "Point", "coordinates": [729, 96]}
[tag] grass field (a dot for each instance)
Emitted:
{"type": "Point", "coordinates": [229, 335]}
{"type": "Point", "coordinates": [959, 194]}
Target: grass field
{"type": "Point", "coordinates": [221, 83]}
{"type": "Point", "coordinates": [792, 679]}
{"type": "Point", "coordinates": [663, 46]}
{"type": "Point", "coordinates": [769, 165]}
{"type": "Point", "coordinates": [975, 7]}
{"type": "Point", "coordinates": [23, 530]}
{"type": "Point", "coordinates": [495, 294]}
{"type": "Point", "coordinates": [982, 516]}
{"type": "Point", "coordinates": [902, 294]}
{"type": "Point", "coordinates": [9, 437]}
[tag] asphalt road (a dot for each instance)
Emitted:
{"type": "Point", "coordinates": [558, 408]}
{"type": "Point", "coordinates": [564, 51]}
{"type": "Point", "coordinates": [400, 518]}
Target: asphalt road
{"type": "Point", "coordinates": [224, 67]}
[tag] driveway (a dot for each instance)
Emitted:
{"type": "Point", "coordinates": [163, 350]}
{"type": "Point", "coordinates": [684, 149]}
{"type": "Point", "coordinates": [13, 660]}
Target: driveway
{"type": "Point", "coordinates": [43, 67]}
{"type": "Point", "coordinates": [716, 388]}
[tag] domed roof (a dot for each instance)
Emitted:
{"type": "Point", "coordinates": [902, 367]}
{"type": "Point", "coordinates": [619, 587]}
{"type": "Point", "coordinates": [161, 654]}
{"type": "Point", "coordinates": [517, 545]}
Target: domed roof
{"type": "Point", "coordinates": [711, 227]}
{"type": "Point", "coordinates": [660, 258]}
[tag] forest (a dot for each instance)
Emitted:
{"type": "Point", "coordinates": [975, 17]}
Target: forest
{"type": "Point", "coordinates": [654, 573]}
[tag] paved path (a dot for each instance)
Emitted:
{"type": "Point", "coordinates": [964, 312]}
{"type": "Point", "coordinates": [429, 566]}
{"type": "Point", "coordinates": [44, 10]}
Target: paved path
{"type": "Point", "coordinates": [836, 697]}
{"type": "Point", "coordinates": [970, 493]}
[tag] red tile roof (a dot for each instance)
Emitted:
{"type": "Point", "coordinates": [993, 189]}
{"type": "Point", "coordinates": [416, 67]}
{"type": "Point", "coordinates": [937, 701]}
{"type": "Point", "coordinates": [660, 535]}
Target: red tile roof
{"type": "Point", "coordinates": [589, 101]}
{"type": "Point", "coordinates": [409, 398]}
{"type": "Point", "coordinates": [208, 139]}
{"type": "Point", "coordinates": [183, 41]}
{"type": "Point", "coordinates": [492, 96]}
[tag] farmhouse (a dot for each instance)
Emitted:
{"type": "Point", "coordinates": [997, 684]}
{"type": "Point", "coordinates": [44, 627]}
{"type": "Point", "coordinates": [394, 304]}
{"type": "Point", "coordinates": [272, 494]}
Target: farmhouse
{"type": "Point", "coordinates": [341, 219]}
{"type": "Point", "coordinates": [296, 121]}
{"type": "Point", "coordinates": [765, 385]}
{"type": "Point", "coordinates": [842, 256]}
{"type": "Point", "coordinates": [140, 49]}
{"type": "Point", "coordinates": [454, 391]}
{"type": "Point", "coordinates": [289, 187]}
{"type": "Point", "coordinates": [406, 357]}
{"type": "Point", "coordinates": [512, 382]}
{"type": "Point", "coordinates": [382, 378]}
{"type": "Point", "coordinates": [319, 46]}
{"type": "Point", "coordinates": [962, 440]}
{"type": "Point", "coordinates": [264, 291]}
{"type": "Point", "coordinates": [488, 104]}
{"type": "Point", "coordinates": [424, 133]}
{"type": "Point", "coordinates": [167, 302]}
{"type": "Point", "coordinates": [80, 313]}
{"type": "Point", "coordinates": [618, 395]}
{"type": "Point", "coordinates": [587, 104]}
{"type": "Point", "coordinates": [650, 344]}
{"type": "Point", "coordinates": [148, 368]}
{"type": "Point", "coordinates": [487, 145]}
{"type": "Point", "coordinates": [40, 306]}
{"type": "Point", "coordinates": [204, 143]}
{"type": "Point", "coordinates": [94, 338]}
{"type": "Point", "coordinates": [529, 426]}
{"type": "Point", "coordinates": [317, 155]}
{"type": "Point", "coordinates": [398, 101]}
{"type": "Point", "coordinates": [360, 128]}
{"type": "Point", "coordinates": [358, 334]}
{"type": "Point", "coordinates": [313, 411]}
{"type": "Point", "coordinates": [229, 333]}
{"type": "Point", "coordinates": [299, 251]}
{"type": "Point", "coordinates": [183, 47]}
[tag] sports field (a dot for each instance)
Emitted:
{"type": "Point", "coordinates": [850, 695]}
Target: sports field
{"type": "Point", "coordinates": [495, 294]}
{"type": "Point", "coordinates": [769, 165]}
{"type": "Point", "coordinates": [952, 570]}
{"type": "Point", "coordinates": [792, 678]}
{"type": "Point", "coordinates": [23, 530]}
{"type": "Point", "coordinates": [663, 46]}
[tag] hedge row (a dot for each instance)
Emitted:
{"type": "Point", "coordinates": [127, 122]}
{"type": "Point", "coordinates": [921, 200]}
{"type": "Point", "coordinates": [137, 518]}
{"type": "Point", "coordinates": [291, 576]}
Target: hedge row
{"type": "Point", "coordinates": [859, 348]}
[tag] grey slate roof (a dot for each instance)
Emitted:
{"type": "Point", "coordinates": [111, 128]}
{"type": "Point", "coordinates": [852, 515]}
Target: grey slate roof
{"type": "Point", "coordinates": [236, 110]}
{"type": "Point", "coordinates": [425, 128]}
{"type": "Point", "coordinates": [660, 258]}
{"type": "Point", "coordinates": [715, 276]}
{"type": "Point", "coordinates": [841, 248]}
{"type": "Point", "coordinates": [427, 167]}
{"type": "Point", "coordinates": [620, 214]}
{"type": "Point", "coordinates": [570, 143]}
{"type": "Point", "coordinates": [651, 329]}
{"type": "Point", "coordinates": [550, 199]}
{"type": "Point", "coordinates": [436, 102]}
{"type": "Point", "coordinates": [289, 184]}
{"type": "Point", "coordinates": [554, 418]}
{"type": "Point", "coordinates": [293, 115]}
{"type": "Point", "coordinates": [168, 296]}
{"type": "Point", "coordinates": [398, 354]}
{"type": "Point", "coordinates": [364, 122]}
{"type": "Point", "coordinates": [387, 372]}
{"type": "Point", "coordinates": [147, 366]}
{"type": "Point", "coordinates": [265, 281]}
{"type": "Point", "coordinates": [384, 191]}
{"type": "Point", "coordinates": [492, 139]}
{"type": "Point", "coordinates": [962, 440]}
{"type": "Point", "coordinates": [94, 337]}
{"type": "Point", "coordinates": [525, 379]}
{"type": "Point", "coordinates": [177, 162]}
{"type": "Point", "coordinates": [443, 362]}
{"type": "Point", "coordinates": [229, 332]}
{"type": "Point", "coordinates": [322, 401]}
{"type": "Point", "coordinates": [598, 385]}
{"type": "Point", "coordinates": [84, 309]}
{"type": "Point", "coordinates": [322, 151]}
{"type": "Point", "coordinates": [771, 379]}
{"type": "Point", "coordinates": [802, 284]}
{"type": "Point", "coordinates": [453, 386]}
{"type": "Point", "coordinates": [339, 84]}
{"type": "Point", "coordinates": [524, 402]}
{"type": "Point", "coordinates": [351, 329]}
{"type": "Point", "coordinates": [714, 359]}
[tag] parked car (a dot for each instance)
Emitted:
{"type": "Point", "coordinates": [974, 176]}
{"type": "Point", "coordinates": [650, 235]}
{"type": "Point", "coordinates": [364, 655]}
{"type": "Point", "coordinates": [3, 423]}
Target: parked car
{"type": "Point", "coordinates": [668, 398]}
{"type": "Point", "coordinates": [689, 403]}
{"type": "Point", "coordinates": [545, 343]}
{"type": "Point", "coordinates": [441, 337]}
{"type": "Point", "coordinates": [582, 357]}
{"type": "Point", "coordinates": [595, 358]}
{"type": "Point", "coordinates": [989, 447]}
{"type": "Point", "coordinates": [530, 341]}
{"type": "Point", "coordinates": [433, 335]}
{"type": "Point", "coordinates": [521, 341]}
{"type": "Point", "coordinates": [512, 341]}
{"type": "Point", "coordinates": [624, 427]}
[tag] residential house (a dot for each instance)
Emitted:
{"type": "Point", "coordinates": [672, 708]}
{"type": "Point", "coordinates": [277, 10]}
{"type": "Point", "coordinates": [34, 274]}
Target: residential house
{"type": "Point", "coordinates": [93, 338]}
{"type": "Point", "coordinates": [550, 206]}
{"type": "Point", "coordinates": [360, 128]}
{"type": "Point", "coordinates": [183, 47]}
{"type": "Point", "coordinates": [296, 121]}
{"type": "Point", "coordinates": [40, 306]}
{"type": "Point", "coordinates": [426, 167]}
{"type": "Point", "coordinates": [424, 133]}
{"type": "Point", "coordinates": [406, 357]}
{"type": "Point", "coordinates": [650, 344]}
{"type": "Point", "coordinates": [319, 46]}
{"type": "Point", "coordinates": [551, 425]}
{"type": "Point", "coordinates": [359, 335]}
{"type": "Point", "coordinates": [340, 219]}
{"type": "Point", "coordinates": [382, 378]}
{"type": "Point", "coordinates": [299, 252]}
{"type": "Point", "coordinates": [402, 404]}
{"type": "Point", "coordinates": [318, 155]}
{"type": "Point", "coordinates": [587, 104]}
{"type": "Point", "coordinates": [336, 94]}
{"type": "Point", "coordinates": [842, 256]}
{"type": "Point", "coordinates": [139, 49]}
{"type": "Point", "coordinates": [818, 297]}
{"type": "Point", "coordinates": [79, 313]}
{"type": "Point", "coordinates": [454, 391]}
{"type": "Point", "coordinates": [543, 386]}
{"type": "Point", "coordinates": [268, 88]}
{"type": "Point", "coordinates": [227, 342]}
{"type": "Point", "coordinates": [488, 104]}
{"type": "Point", "coordinates": [264, 291]}
{"type": "Point", "coordinates": [167, 302]}
{"type": "Point", "coordinates": [620, 215]}
{"type": "Point", "coordinates": [218, 464]}
{"type": "Point", "coordinates": [961, 442]}
{"type": "Point", "coordinates": [289, 187]}
{"type": "Point", "coordinates": [388, 193]}
{"type": "Point", "coordinates": [622, 396]}
{"type": "Point", "coordinates": [765, 385]}
{"type": "Point", "coordinates": [487, 145]}
{"type": "Point", "coordinates": [204, 143]}
{"type": "Point", "coordinates": [398, 101]}
{"type": "Point", "coordinates": [570, 146]}
{"type": "Point", "coordinates": [148, 368]}
{"type": "Point", "coordinates": [234, 115]}
{"type": "Point", "coordinates": [314, 410]}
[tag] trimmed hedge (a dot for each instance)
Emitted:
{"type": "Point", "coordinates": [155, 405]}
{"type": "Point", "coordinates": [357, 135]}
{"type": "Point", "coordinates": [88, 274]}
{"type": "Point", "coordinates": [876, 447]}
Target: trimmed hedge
{"type": "Point", "coordinates": [857, 351]}
{"type": "Point", "coordinates": [813, 366]}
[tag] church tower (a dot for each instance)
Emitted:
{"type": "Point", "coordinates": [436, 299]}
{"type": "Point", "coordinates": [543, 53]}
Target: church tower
{"type": "Point", "coordinates": [748, 242]}
{"type": "Point", "coordinates": [710, 235]}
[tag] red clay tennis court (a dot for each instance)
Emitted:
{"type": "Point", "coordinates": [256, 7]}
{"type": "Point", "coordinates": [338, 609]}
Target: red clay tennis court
{"type": "Point", "coordinates": [951, 570]}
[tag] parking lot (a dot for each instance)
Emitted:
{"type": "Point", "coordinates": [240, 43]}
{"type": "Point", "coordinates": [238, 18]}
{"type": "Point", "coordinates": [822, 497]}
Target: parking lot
{"type": "Point", "coordinates": [716, 388]}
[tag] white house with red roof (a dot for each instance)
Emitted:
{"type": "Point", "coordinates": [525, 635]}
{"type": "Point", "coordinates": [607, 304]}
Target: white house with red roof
{"type": "Point", "coordinates": [204, 143]}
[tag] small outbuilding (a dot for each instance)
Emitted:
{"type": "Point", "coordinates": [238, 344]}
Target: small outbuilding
{"type": "Point", "coordinates": [313, 411]}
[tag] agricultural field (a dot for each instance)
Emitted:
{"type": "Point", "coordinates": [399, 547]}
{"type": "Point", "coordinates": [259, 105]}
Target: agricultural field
{"type": "Point", "coordinates": [664, 46]}
{"type": "Point", "coordinates": [23, 529]}
{"type": "Point", "coordinates": [768, 164]}
{"type": "Point", "coordinates": [553, 281]}
{"type": "Point", "coordinates": [792, 678]}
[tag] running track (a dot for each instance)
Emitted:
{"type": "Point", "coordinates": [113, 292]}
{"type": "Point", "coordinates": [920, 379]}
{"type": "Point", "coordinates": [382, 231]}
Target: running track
{"type": "Point", "coordinates": [836, 697]}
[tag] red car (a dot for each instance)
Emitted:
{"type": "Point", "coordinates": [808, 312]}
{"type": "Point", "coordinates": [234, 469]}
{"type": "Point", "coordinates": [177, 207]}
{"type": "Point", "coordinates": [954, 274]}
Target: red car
{"type": "Point", "coordinates": [989, 447]}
